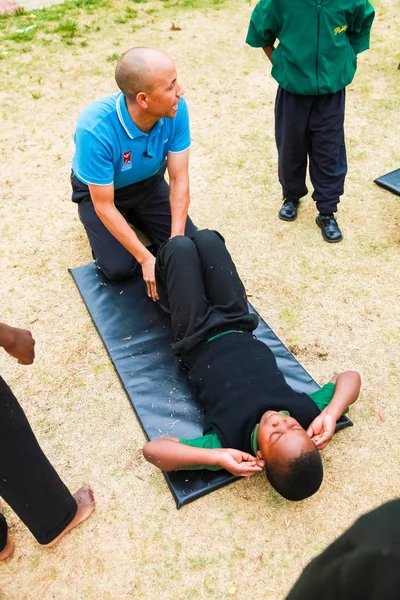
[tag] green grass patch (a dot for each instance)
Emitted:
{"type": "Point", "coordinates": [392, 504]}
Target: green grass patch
{"type": "Point", "coordinates": [81, 20]}
{"type": "Point", "coordinates": [113, 57]}
{"type": "Point", "coordinates": [61, 22]}
{"type": "Point", "coordinates": [25, 34]}
{"type": "Point", "coordinates": [290, 317]}
{"type": "Point", "coordinates": [68, 28]}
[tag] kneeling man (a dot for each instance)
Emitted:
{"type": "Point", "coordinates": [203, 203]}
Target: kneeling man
{"type": "Point", "coordinates": [124, 143]}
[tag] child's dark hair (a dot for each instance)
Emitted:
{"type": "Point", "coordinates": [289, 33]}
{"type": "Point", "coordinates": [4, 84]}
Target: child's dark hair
{"type": "Point", "coordinates": [298, 479]}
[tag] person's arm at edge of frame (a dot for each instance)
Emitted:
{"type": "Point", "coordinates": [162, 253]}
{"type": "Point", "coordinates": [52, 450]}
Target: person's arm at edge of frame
{"type": "Point", "coordinates": [347, 390]}
{"type": "Point", "coordinates": [179, 193]}
{"type": "Point", "coordinates": [103, 201]}
{"type": "Point", "coordinates": [168, 454]}
{"type": "Point", "coordinates": [19, 343]}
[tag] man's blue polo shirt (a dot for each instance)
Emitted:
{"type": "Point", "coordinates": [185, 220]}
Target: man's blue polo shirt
{"type": "Point", "coordinates": [109, 148]}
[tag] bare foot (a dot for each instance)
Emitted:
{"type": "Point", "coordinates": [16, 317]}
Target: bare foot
{"type": "Point", "coordinates": [9, 547]}
{"type": "Point", "coordinates": [8, 550]}
{"type": "Point", "coordinates": [85, 500]}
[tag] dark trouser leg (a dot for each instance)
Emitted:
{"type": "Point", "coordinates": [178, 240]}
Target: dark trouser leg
{"type": "Point", "coordinates": [199, 281]}
{"type": "Point", "coordinates": [328, 164]}
{"type": "Point", "coordinates": [180, 285]}
{"type": "Point", "coordinates": [111, 257]}
{"type": "Point", "coordinates": [224, 288]}
{"type": "Point", "coordinates": [28, 482]}
{"type": "Point", "coordinates": [292, 113]}
{"type": "Point", "coordinates": [144, 205]}
{"type": "Point", "coordinates": [3, 532]}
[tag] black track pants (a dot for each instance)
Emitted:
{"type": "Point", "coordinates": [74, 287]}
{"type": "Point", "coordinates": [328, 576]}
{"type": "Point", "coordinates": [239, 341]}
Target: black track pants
{"type": "Point", "coordinates": [197, 281]}
{"type": "Point", "coordinates": [311, 128]}
{"type": "Point", "coordinates": [28, 482]}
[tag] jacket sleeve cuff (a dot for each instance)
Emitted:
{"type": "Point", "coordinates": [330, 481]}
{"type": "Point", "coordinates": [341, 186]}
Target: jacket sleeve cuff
{"type": "Point", "coordinates": [256, 40]}
{"type": "Point", "coordinates": [259, 42]}
{"type": "Point", "coordinates": [360, 44]}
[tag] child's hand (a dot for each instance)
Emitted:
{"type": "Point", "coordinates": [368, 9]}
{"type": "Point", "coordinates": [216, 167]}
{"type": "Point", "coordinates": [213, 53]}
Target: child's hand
{"type": "Point", "coordinates": [19, 344]}
{"type": "Point", "coordinates": [238, 463]}
{"type": "Point", "coordinates": [322, 429]}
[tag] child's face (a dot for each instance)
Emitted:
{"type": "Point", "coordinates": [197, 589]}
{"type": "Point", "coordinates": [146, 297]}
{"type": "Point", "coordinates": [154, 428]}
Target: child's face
{"type": "Point", "coordinates": [281, 437]}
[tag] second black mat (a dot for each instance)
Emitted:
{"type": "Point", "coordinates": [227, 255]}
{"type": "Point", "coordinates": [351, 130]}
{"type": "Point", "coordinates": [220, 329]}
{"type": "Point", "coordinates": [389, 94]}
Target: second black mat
{"type": "Point", "coordinates": [137, 336]}
{"type": "Point", "coordinates": [390, 181]}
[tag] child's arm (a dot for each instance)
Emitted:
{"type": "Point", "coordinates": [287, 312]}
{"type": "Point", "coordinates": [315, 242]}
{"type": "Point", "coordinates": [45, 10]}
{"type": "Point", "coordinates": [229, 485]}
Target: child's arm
{"type": "Point", "coordinates": [347, 389]}
{"type": "Point", "coordinates": [359, 31]}
{"type": "Point", "coordinates": [268, 50]}
{"type": "Point", "coordinates": [169, 455]}
{"type": "Point", "coordinates": [263, 27]}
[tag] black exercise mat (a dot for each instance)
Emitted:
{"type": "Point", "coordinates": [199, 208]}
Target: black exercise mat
{"type": "Point", "coordinates": [137, 336]}
{"type": "Point", "coordinates": [390, 181]}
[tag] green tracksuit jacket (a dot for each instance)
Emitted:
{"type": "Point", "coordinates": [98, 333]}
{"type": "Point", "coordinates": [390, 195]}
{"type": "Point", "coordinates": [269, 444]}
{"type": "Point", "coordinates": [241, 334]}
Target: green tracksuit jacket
{"type": "Point", "coordinates": [318, 41]}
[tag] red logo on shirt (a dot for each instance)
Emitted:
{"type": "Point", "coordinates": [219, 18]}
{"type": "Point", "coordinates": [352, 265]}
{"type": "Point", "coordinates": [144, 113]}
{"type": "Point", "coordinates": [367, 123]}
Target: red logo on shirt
{"type": "Point", "coordinates": [127, 157]}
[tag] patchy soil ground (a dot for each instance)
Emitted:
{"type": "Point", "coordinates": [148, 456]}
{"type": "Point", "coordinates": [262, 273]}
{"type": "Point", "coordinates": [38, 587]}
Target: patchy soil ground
{"type": "Point", "coordinates": [335, 306]}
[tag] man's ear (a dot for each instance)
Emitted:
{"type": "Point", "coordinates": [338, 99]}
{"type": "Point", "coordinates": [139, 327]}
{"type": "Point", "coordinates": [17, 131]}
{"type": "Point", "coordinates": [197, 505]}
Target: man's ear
{"type": "Point", "coordinates": [141, 99]}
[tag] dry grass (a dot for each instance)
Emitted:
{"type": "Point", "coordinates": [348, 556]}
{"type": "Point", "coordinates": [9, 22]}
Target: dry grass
{"type": "Point", "coordinates": [337, 307]}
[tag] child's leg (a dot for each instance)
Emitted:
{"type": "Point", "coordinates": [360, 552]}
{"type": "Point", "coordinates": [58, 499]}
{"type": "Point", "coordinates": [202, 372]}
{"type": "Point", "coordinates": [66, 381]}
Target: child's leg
{"type": "Point", "coordinates": [292, 113]}
{"type": "Point", "coordinates": [224, 288]}
{"type": "Point", "coordinates": [28, 482]}
{"type": "Point", "coordinates": [180, 284]}
{"type": "Point", "coordinates": [328, 164]}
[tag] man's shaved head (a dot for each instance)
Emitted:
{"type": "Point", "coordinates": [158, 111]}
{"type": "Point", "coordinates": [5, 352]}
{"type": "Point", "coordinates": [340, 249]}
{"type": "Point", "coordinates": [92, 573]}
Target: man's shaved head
{"type": "Point", "coordinates": [138, 71]}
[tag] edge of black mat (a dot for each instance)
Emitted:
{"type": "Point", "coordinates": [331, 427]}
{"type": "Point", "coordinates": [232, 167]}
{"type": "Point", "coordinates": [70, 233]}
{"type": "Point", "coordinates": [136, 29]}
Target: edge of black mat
{"type": "Point", "coordinates": [390, 182]}
{"type": "Point", "coordinates": [212, 479]}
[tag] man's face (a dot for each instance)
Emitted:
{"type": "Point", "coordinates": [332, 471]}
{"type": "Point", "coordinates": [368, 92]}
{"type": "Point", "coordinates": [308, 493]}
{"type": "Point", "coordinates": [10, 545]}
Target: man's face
{"type": "Point", "coordinates": [282, 438]}
{"type": "Point", "coordinates": [166, 92]}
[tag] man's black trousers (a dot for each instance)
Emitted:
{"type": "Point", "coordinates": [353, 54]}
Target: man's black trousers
{"type": "Point", "coordinates": [28, 482]}
{"type": "Point", "coordinates": [198, 284]}
{"type": "Point", "coordinates": [144, 204]}
{"type": "Point", "coordinates": [311, 128]}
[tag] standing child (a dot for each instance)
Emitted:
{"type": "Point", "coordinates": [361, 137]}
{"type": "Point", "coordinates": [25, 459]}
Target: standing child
{"type": "Point", "coordinates": [315, 60]}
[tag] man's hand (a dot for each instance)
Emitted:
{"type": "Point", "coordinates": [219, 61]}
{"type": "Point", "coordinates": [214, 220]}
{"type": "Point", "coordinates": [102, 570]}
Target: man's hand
{"type": "Point", "coordinates": [148, 267]}
{"type": "Point", "coordinates": [238, 463]}
{"type": "Point", "coordinates": [19, 343]}
{"type": "Point", "coordinates": [322, 429]}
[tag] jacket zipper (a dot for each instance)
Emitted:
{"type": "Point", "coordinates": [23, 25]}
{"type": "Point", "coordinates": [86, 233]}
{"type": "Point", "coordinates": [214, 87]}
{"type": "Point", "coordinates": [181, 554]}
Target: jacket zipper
{"type": "Point", "coordinates": [319, 2]}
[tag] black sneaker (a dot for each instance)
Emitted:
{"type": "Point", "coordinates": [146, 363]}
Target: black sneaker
{"type": "Point", "coordinates": [329, 228]}
{"type": "Point", "coordinates": [289, 210]}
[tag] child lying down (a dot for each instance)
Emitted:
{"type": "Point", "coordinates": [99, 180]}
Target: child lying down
{"type": "Point", "coordinates": [254, 419]}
